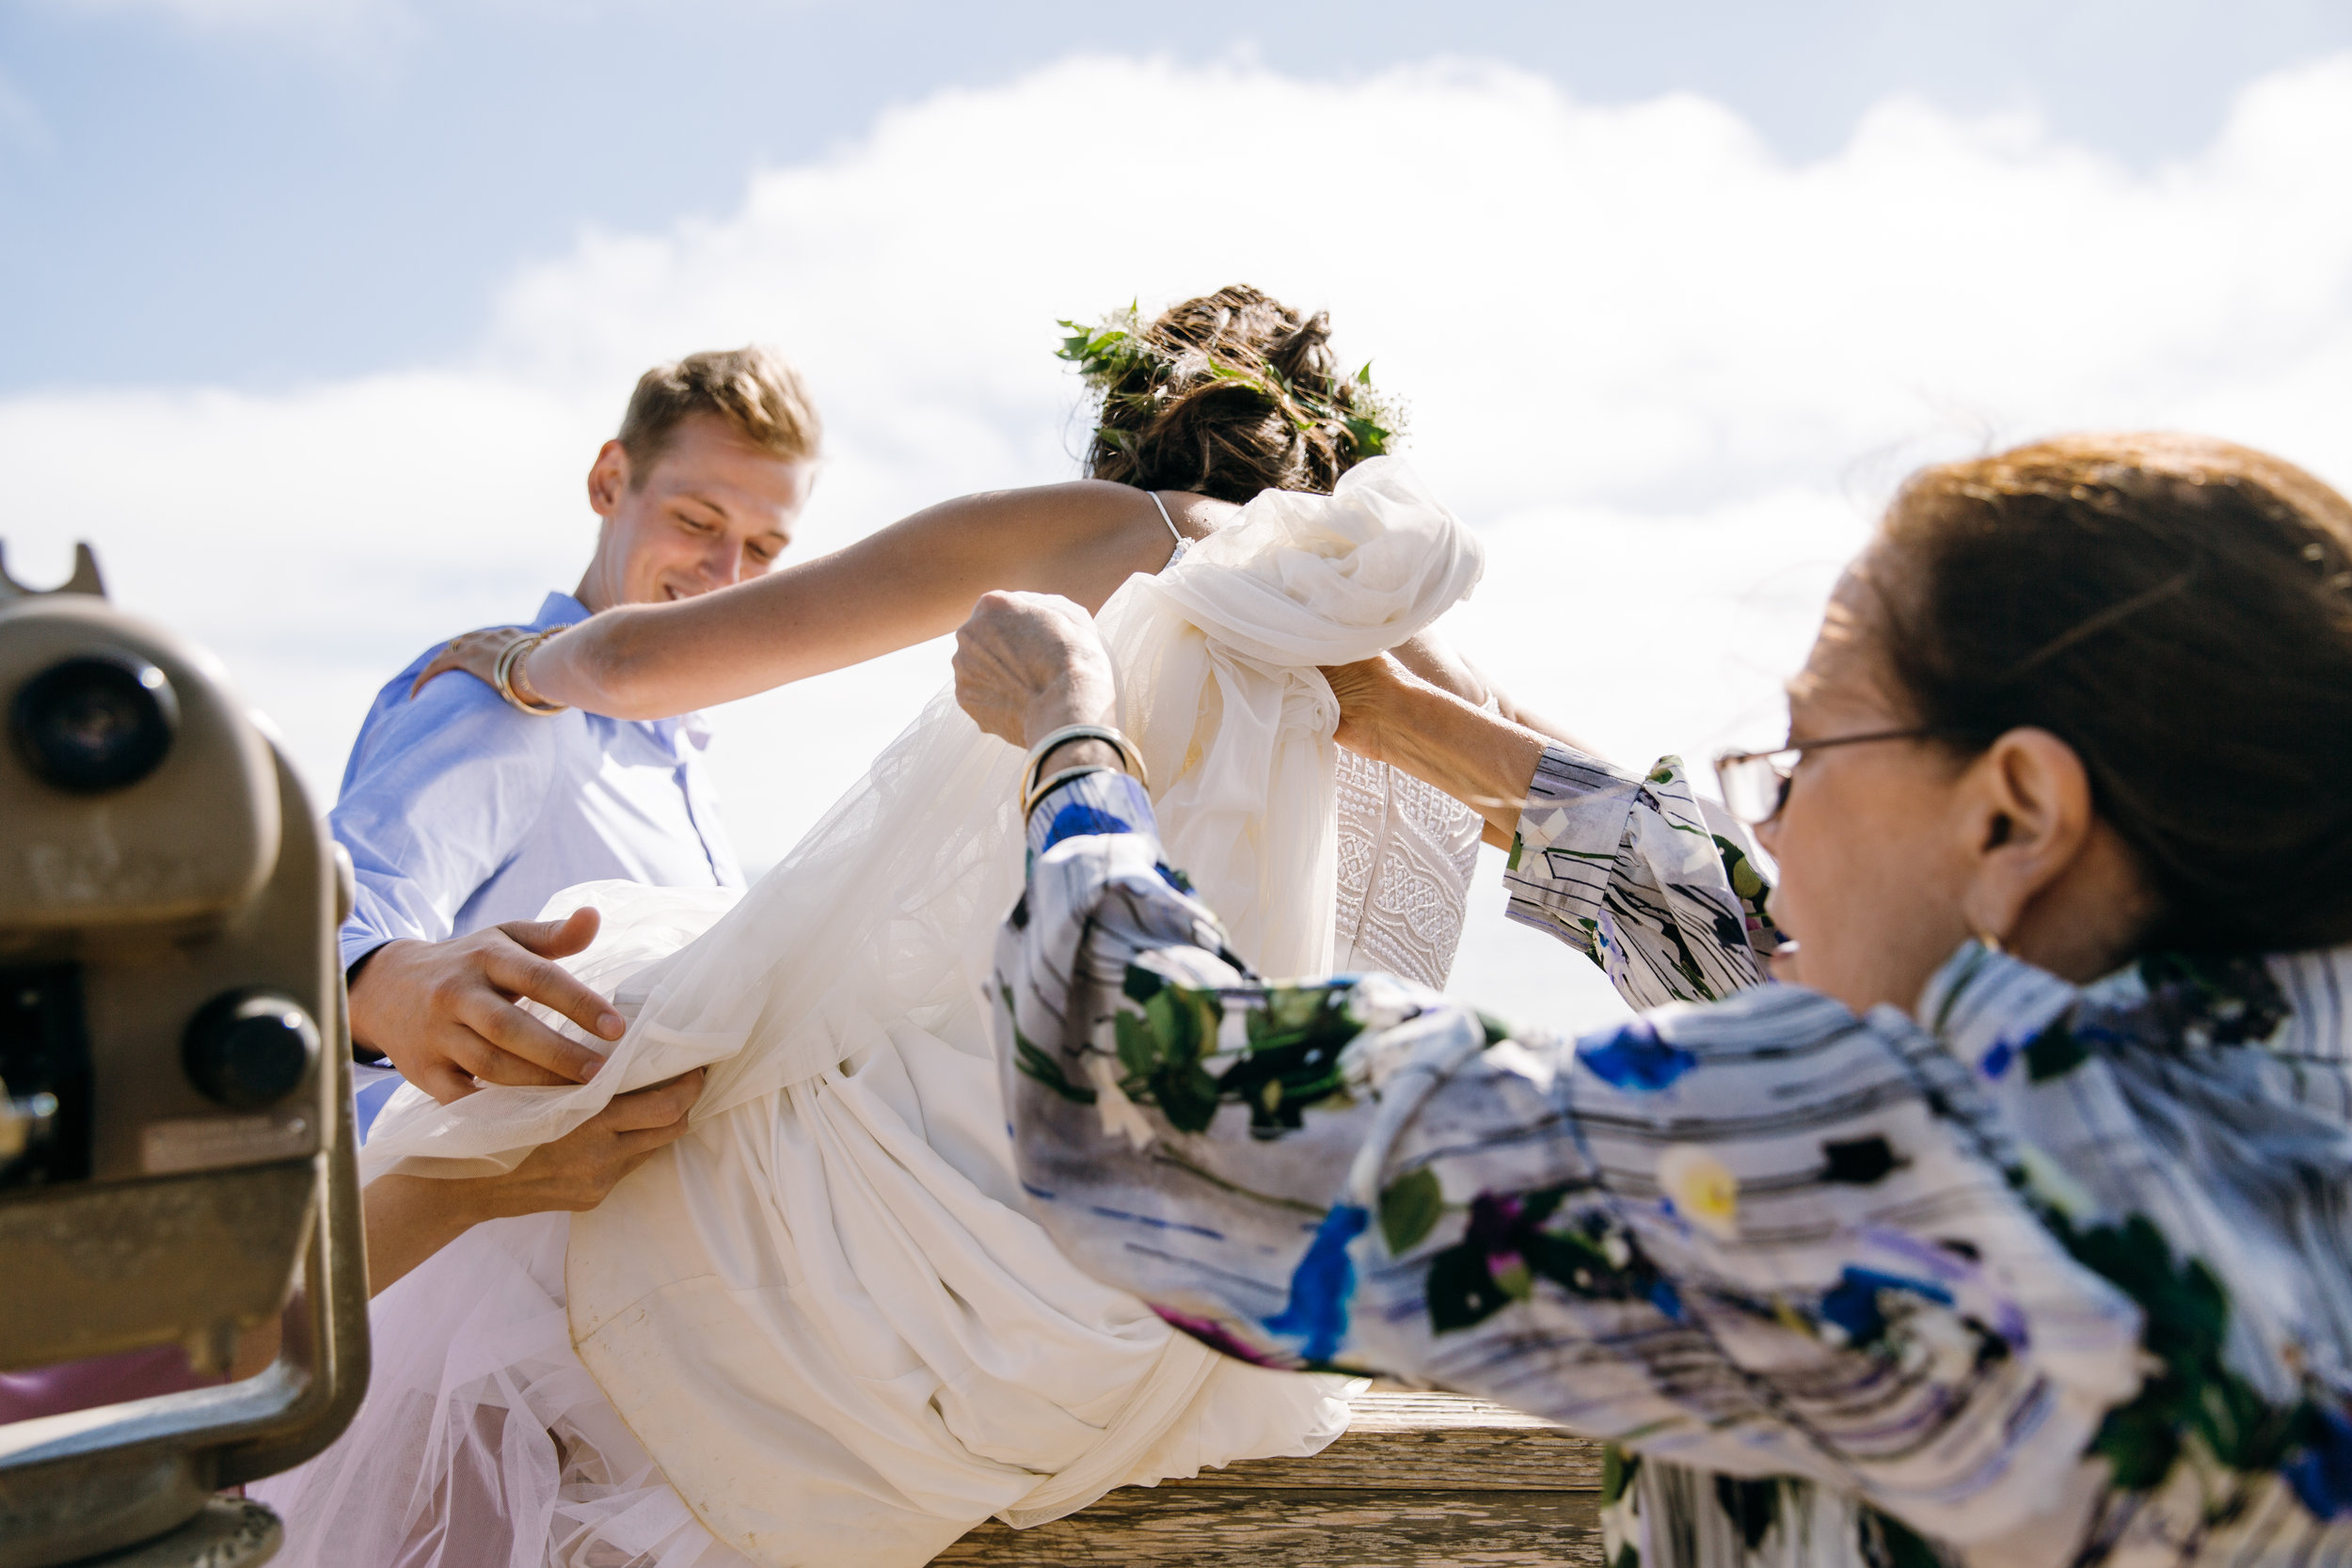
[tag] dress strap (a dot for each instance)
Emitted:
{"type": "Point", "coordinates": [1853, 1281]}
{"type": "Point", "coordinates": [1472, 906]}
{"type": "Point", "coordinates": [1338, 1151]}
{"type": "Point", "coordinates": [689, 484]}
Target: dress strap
{"type": "Point", "coordinates": [1181, 543]}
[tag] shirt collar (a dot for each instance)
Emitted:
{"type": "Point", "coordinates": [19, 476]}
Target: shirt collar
{"type": "Point", "coordinates": [562, 610]}
{"type": "Point", "coordinates": [1986, 1004]}
{"type": "Point", "coordinates": [559, 609]}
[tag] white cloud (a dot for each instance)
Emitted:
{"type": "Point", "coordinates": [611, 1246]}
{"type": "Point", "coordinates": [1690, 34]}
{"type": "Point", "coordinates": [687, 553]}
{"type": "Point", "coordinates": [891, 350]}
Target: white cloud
{"type": "Point", "coordinates": [1669, 374]}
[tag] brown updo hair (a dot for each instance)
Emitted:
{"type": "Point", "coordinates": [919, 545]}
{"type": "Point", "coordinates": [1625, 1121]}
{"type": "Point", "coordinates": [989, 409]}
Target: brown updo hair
{"type": "Point", "coordinates": [1201, 411]}
{"type": "Point", "coordinates": [2178, 610]}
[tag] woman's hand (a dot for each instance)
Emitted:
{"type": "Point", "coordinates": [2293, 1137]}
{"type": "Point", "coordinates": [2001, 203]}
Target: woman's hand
{"type": "Point", "coordinates": [1481, 758]}
{"type": "Point", "coordinates": [577, 1169]}
{"type": "Point", "coordinates": [1027, 664]}
{"type": "Point", "coordinates": [474, 653]}
{"type": "Point", "coordinates": [409, 1218]}
{"type": "Point", "coordinates": [1366, 691]}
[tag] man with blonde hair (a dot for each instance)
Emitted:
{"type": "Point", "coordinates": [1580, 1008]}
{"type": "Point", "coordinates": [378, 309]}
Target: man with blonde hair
{"type": "Point", "coordinates": [465, 808]}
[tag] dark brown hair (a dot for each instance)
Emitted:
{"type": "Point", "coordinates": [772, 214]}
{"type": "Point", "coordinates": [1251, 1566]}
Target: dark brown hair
{"type": "Point", "coordinates": [752, 389]}
{"type": "Point", "coordinates": [1238, 394]}
{"type": "Point", "coordinates": [2178, 610]}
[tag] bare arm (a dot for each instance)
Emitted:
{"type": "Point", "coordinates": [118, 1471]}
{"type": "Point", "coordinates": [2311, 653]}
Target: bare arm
{"type": "Point", "coordinates": [916, 580]}
{"type": "Point", "coordinates": [1480, 758]}
{"type": "Point", "coordinates": [1430, 657]}
{"type": "Point", "coordinates": [409, 1218]}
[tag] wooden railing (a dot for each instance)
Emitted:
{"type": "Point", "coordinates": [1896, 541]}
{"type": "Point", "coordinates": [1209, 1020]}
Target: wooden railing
{"type": "Point", "coordinates": [1417, 1481]}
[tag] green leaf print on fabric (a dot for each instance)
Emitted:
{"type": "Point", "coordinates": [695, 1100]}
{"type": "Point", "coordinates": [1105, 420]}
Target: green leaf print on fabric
{"type": "Point", "coordinates": [2201, 1000]}
{"type": "Point", "coordinates": [1888, 1543]}
{"type": "Point", "coordinates": [1161, 1051]}
{"type": "Point", "coordinates": [2191, 1002]}
{"type": "Point", "coordinates": [2193, 1394]}
{"type": "Point", "coordinates": [1755, 895]}
{"type": "Point", "coordinates": [1291, 1060]}
{"type": "Point", "coordinates": [1618, 1468]}
{"type": "Point", "coordinates": [1515, 1239]}
{"type": "Point", "coordinates": [1036, 1064]}
{"type": "Point", "coordinates": [1410, 1209]}
{"type": "Point", "coordinates": [1752, 1506]}
{"type": "Point", "coordinates": [2053, 1053]}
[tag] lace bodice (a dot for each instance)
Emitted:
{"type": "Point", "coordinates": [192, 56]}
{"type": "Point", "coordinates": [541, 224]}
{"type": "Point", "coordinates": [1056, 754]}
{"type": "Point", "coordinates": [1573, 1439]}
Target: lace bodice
{"type": "Point", "coordinates": [1405, 855]}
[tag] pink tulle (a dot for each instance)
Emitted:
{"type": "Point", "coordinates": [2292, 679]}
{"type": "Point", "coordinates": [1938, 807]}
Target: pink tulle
{"type": "Point", "coordinates": [483, 1443]}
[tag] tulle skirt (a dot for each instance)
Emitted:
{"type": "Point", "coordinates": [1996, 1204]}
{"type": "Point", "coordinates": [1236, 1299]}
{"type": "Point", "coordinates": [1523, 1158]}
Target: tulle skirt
{"type": "Point", "coordinates": [483, 1442]}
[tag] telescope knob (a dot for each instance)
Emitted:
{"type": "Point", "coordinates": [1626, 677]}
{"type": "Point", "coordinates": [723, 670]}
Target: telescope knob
{"type": "Point", "coordinates": [251, 1049]}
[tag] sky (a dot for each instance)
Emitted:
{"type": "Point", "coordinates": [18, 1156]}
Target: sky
{"type": "Point", "coordinates": [318, 309]}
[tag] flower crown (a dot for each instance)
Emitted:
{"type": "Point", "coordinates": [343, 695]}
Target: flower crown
{"type": "Point", "coordinates": [1123, 366]}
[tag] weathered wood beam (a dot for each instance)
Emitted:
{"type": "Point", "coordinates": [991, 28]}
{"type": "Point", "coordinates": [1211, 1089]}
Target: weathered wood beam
{"type": "Point", "coordinates": [1197, 1526]}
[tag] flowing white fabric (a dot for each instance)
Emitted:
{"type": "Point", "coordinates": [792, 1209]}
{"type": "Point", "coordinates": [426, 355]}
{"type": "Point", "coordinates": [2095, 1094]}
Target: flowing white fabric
{"type": "Point", "coordinates": [825, 1315]}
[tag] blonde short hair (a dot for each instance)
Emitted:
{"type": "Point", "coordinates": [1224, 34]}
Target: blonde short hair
{"type": "Point", "coordinates": [754, 390]}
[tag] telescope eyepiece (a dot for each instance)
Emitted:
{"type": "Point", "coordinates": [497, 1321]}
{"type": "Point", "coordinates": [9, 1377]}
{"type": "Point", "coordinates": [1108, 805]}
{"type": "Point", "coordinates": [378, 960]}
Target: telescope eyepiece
{"type": "Point", "coordinates": [95, 722]}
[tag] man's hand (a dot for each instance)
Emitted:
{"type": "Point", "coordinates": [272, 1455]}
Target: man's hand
{"type": "Point", "coordinates": [1027, 664]}
{"type": "Point", "coordinates": [445, 1011]}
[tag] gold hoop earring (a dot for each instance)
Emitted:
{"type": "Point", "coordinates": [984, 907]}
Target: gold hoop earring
{"type": "Point", "coordinates": [1986, 940]}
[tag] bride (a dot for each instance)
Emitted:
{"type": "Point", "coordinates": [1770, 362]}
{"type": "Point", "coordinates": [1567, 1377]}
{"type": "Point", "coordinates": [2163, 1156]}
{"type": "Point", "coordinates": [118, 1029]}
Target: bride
{"type": "Point", "coordinates": [822, 1328]}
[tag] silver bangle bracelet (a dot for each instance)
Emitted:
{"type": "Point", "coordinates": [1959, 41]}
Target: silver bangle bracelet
{"type": "Point", "coordinates": [1068, 733]}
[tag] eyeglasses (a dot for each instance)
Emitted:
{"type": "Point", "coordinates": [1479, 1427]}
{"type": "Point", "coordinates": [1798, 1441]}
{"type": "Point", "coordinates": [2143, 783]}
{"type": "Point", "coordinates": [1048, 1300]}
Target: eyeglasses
{"type": "Point", "coordinates": [1755, 784]}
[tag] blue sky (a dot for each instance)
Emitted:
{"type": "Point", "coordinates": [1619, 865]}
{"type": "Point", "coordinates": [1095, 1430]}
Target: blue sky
{"type": "Point", "coordinates": [255, 193]}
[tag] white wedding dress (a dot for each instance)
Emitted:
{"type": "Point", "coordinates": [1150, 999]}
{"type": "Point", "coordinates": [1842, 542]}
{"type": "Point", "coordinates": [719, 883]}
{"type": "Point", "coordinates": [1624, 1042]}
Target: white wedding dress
{"type": "Point", "coordinates": [821, 1329]}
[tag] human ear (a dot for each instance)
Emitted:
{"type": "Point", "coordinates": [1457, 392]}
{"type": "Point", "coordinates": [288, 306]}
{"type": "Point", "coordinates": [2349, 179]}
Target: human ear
{"type": "Point", "coordinates": [2027, 815]}
{"type": "Point", "coordinates": [608, 477]}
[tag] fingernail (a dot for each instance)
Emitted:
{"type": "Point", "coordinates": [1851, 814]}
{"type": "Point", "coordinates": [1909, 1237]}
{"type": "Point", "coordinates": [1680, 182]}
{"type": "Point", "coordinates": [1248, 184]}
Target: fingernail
{"type": "Point", "coordinates": [612, 1026]}
{"type": "Point", "coordinates": [594, 1067]}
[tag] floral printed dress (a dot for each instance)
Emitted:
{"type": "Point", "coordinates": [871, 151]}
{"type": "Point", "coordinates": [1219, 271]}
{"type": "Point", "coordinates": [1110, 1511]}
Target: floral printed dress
{"type": "Point", "coordinates": [2038, 1274]}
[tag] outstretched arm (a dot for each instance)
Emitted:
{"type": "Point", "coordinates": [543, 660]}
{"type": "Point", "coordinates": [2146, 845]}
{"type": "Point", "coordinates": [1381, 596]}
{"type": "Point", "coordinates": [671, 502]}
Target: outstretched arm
{"type": "Point", "coordinates": [1767, 1236]}
{"type": "Point", "coordinates": [916, 580]}
{"type": "Point", "coordinates": [1440, 665]}
{"type": "Point", "coordinates": [1441, 735]}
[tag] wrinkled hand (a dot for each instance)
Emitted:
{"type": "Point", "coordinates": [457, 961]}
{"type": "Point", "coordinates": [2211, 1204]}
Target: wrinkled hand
{"type": "Point", "coordinates": [473, 653]}
{"type": "Point", "coordinates": [1363, 689]}
{"type": "Point", "coordinates": [1029, 663]}
{"type": "Point", "coordinates": [578, 1170]}
{"type": "Point", "coordinates": [445, 1011]}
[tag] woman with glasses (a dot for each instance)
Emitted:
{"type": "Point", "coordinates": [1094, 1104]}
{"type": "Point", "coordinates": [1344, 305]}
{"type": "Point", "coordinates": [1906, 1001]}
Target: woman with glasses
{"type": "Point", "coordinates": [2015, 1229]}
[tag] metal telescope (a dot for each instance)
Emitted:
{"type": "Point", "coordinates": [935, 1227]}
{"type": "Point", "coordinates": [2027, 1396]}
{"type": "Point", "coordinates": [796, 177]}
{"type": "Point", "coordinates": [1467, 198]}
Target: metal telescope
{"type": "Point", "coordinates": [176, 1143]}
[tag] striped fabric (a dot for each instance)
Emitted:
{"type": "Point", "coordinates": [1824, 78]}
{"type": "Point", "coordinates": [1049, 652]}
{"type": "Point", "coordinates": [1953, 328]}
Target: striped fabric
{"type": "Point", "coordinates": [2038, 1274]}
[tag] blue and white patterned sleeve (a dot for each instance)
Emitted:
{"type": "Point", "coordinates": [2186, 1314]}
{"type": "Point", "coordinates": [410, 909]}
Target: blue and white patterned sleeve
{"type": "Point", "coordinates": [1766, 1237]}
{"type": "Point", "coordinates": [1628, 871]}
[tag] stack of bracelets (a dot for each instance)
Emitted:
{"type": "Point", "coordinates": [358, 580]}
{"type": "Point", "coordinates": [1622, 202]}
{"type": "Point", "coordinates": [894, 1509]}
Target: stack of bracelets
{"type": "Point", "coordinates": [1034, 788]}
{"type": "Point", "coordinates": [503, 674]}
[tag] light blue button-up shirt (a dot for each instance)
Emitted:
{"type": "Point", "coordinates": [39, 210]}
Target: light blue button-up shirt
{"type": "Point", "coordinates": [460, 812]}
